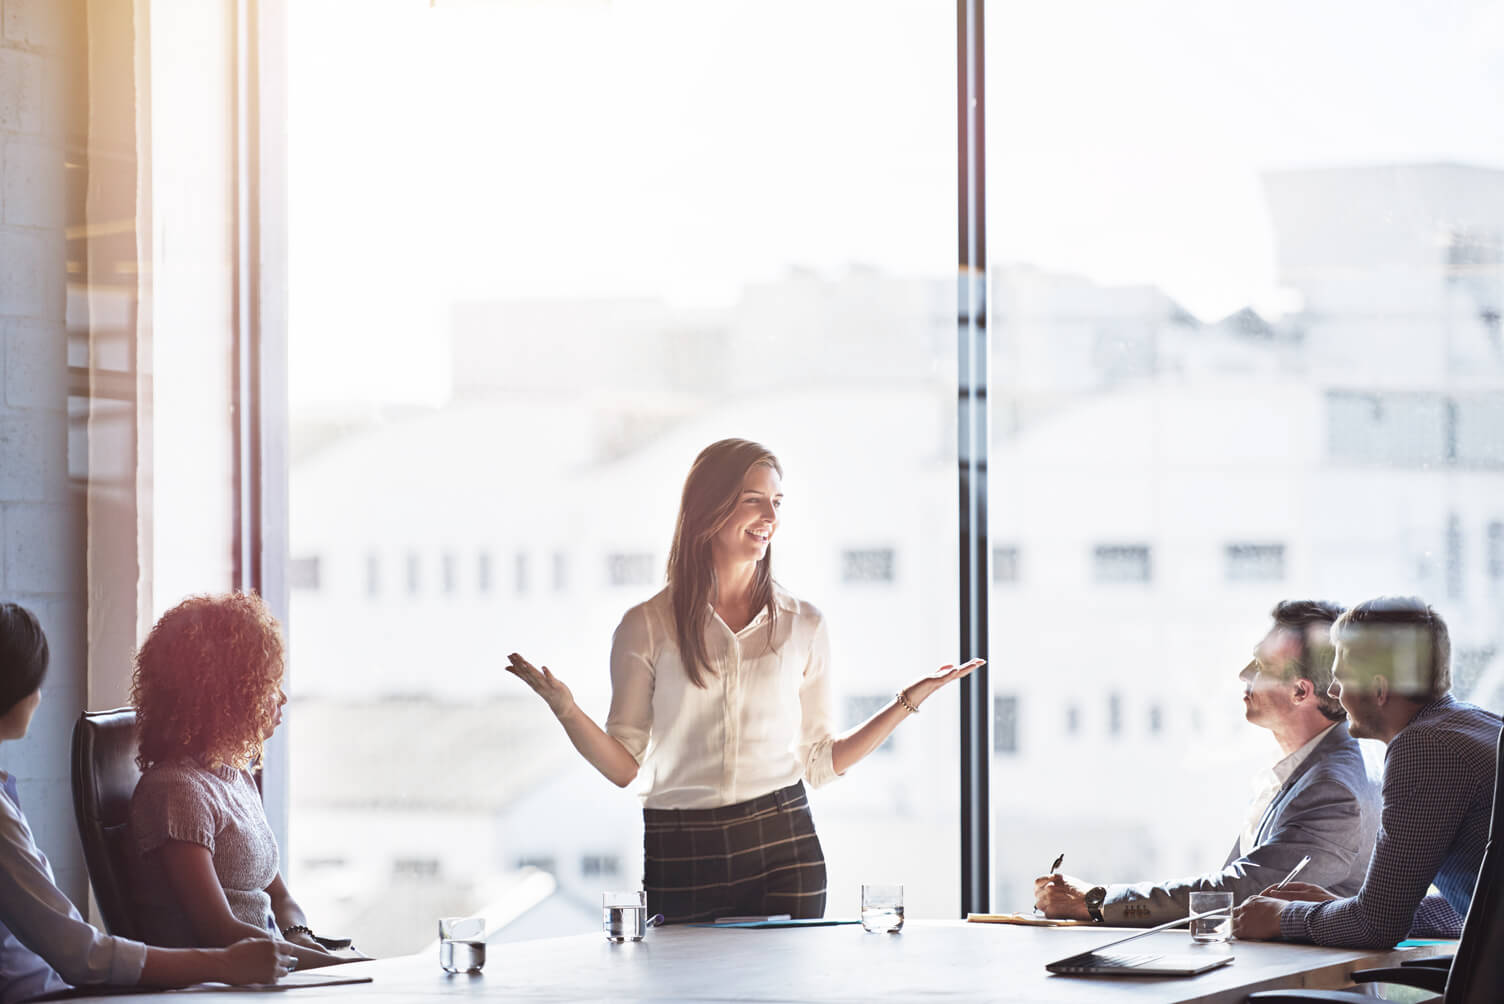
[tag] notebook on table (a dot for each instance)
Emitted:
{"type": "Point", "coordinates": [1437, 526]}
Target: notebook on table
{"type": "Point", "coordinates": [1102, 962]}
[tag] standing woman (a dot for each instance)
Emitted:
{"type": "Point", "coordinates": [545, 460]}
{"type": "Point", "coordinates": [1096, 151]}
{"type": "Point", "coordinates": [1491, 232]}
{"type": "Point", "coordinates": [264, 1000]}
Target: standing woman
{"type": "Point", "coordinates": [44, 943]}
{"type": "Point", "coordinates": [721, 693]}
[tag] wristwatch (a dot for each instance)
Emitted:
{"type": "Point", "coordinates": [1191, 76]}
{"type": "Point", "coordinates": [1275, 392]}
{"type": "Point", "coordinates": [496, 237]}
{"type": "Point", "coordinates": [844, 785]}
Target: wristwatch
{"type": "Point", "coordinates": [1094, 897]}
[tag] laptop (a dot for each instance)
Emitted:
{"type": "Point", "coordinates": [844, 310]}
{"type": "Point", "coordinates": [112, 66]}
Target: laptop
{"type": "Point", "coordinates": [1100, 961]}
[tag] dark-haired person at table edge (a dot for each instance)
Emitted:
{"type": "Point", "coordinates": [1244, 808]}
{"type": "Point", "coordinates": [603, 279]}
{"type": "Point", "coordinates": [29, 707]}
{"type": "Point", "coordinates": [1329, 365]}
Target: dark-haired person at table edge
{"type": "Point", "coordinates": [45, 945]}
{"type": "Point", "coordinates": [1393, 676]}
{"type": "Point", "coordinates": [721, 698]}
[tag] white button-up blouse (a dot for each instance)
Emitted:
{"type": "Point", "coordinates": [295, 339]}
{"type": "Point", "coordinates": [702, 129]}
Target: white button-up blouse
{"type": "Point", "coordinates": [762, 721]}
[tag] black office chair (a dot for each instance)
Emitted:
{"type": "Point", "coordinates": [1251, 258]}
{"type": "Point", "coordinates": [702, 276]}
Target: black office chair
{"type": "Point", "coordinates": [104, 777]}
{"type": "Point", "coordinates": [1476, 973]}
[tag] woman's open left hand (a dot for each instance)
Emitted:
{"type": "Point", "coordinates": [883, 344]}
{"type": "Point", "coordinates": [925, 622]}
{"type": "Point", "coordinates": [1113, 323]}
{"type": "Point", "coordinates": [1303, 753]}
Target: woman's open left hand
{"type": "Point", "coordinates": [922, 688]}
{"type": "Point", "coordinates": [548, 686]}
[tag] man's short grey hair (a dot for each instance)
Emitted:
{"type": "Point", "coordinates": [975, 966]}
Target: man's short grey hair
{"type": "Point", "coordinates": [1403, 639]}
{"type": "Point", "coordinates": [1311, 621]}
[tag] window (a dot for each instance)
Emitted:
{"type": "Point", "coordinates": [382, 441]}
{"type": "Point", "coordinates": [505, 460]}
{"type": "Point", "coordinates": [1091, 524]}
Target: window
{"type": "Point", "coordinates": [303, 573]}
{"type": "Point", "coordinates": [448, 573]}
{"type": "Point", "coordinates": [561, 571]}
{"type": "Point", "coordinates": [629, 569]}
{"type": "Point", "coordinates": [1156, 719]}
{"type": "Point", "coordinates": [520, 574]}
{"type": "Point", "coordinates": [867, 565]}
{"type": "Point", "coordinates": [422, 869]}
{"type": "Point", "coordinates": [544, 863]}
{"type": "Point", "coordinates": [1005, 724]}
{"type": "Point", "coordinates": [600, 865]}
{"type": "Point", "coordinates": [1454, 557]}
{"type": "Point", "coordinates": [1496, 551]}
{"type": "Point", "coordinates": [483, 572]}
{"type": "Point", "coordinates": [859, 709]}
{"type": "Point", "coordinates": [373, 574]}
{"type": "Point", "coordinates": [414, 567]}
{"type": "Point", "coordinates": [1073, 719]}
{"type": "Point", "coordinates": [1255, 562]}
{"type": "Point", "coordinates": [1114, 714]}
{"type": "Point", "coordinates": [1005, 564]}
{"type": "Point", "coordinates": [1117, 563]}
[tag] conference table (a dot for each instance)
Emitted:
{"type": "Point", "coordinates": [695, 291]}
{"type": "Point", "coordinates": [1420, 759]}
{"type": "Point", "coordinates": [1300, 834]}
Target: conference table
{"type": "Point", "coordinates": [930, 960]}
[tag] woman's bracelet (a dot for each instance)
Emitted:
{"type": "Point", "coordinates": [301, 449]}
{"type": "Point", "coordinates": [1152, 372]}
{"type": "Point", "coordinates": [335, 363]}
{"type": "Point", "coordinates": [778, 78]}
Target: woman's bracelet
{"type": "Point", "coordinates": [903, 699]}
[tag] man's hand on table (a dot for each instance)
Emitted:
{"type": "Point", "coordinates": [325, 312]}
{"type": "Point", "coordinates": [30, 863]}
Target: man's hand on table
{"type": "Point", "coordinates": [1061, 896]}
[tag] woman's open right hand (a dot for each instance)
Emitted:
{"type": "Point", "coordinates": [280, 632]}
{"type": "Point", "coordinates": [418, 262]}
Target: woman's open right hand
{"type": "Point", "coordinates": [256, 960]}
{"type": "Point", "coordinates": [548, 686]}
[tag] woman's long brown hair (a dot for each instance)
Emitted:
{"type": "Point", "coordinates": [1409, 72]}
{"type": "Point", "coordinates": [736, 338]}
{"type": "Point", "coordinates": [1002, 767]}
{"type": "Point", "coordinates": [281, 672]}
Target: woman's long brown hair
{"type": "Point", "coordinates": [711, 491]}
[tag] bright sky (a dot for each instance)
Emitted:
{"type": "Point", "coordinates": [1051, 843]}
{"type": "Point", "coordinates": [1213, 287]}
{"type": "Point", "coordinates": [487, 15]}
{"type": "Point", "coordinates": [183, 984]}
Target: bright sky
{"type": "Point", "coordinates": [483, 149]}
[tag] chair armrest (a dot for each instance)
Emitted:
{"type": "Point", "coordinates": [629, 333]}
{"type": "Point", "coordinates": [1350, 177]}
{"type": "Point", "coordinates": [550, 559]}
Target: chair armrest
{"type": "Point", "coordinates": [1431, 962]}
{"type": "Point", "coordinates": [1423, 977]}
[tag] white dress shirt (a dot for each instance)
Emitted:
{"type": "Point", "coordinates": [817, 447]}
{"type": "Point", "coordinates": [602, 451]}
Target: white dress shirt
{"type": "Point", "coordinates": [41, 934]}
{"type": "Point", "coordinates": [761, 722]}
{"type": "Point", "coordinates": [1266, 784]}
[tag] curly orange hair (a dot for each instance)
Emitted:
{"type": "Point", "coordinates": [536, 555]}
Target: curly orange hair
{"type": "Point", "coordinates": [206, 680]}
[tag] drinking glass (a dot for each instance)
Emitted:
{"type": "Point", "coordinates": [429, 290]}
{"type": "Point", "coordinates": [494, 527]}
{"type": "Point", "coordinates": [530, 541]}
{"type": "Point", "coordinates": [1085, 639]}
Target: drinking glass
{"type": "Point", "coordinates": [624, 915]}
{"type": "Point", "coordinates": [882, 909]}
{"type": "Point", "coordinates": [462, 944]}
{"type": "Point", "coordinates": [1216, 928]}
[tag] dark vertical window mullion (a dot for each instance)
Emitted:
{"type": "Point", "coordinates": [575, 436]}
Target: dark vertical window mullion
{"type": "Point", "coordinates": [972, 449]}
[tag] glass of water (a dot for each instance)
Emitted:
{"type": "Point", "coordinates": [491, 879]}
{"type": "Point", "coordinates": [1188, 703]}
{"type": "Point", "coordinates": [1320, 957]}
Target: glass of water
{"type": "Point", "coordinates": [462, 944]}
{"type": "Point", "coordinates": [882, 909]}
{"type": "Point", "coordinates": [624, 915]}
{"type": "Point", "coordinates": [1216, 928]}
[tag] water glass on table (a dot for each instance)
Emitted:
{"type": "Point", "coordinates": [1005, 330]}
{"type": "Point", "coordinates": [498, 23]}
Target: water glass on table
{"type": "Point", "coordinates": [624, 915]}
{"type": "Point", "coordinates": [1218, 927]}
{"type": "Point", "coordinates": [882, 909]}
{"type": "Point", "coordinates": [462, 944]}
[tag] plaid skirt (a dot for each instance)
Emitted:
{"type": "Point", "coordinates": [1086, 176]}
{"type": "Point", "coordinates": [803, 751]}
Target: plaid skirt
{"type": "Point", "coordinates": [758, 857]}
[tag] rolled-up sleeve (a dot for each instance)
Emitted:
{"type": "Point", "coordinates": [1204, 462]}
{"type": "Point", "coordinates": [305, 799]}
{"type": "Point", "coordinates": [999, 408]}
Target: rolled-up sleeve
{"type": "Point", "coordinates": [46, 923]}
{"type": "Point", "coordinates": [816, 732]}
{"type": "Point", "coordinates": [630, 720]}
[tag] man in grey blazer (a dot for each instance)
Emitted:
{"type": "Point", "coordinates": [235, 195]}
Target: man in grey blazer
{"type": "Point", "coordinates": [1317, 800]}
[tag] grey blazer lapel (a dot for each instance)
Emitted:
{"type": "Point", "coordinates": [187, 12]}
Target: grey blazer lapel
{"type": "Point", "coordinates": [1336, 737]}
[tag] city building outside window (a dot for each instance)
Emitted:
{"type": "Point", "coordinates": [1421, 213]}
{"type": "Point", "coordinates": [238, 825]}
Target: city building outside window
{"type": "Point", "coordinates": [874, 564]}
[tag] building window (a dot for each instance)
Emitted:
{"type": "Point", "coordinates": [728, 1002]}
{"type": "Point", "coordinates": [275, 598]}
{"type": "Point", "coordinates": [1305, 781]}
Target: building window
{"type": "Point", "coordinates": [600, 865]}
{"type": "Point", "coordinates": [867, 565]}
{"type": "Point", "coordinates": [373, 574]}
{"type": "Point", "coordinates": [1454, 557]}
{"type": "Point", "coordinates": [416, 868]}
{"type": "Point", "coordinates": [413, 577]}
{"type": "Point", "coordinates": [561, 571]}
{"type": "Point", "coordinates": [1255, 562]}
{"type": "Point", "coordinates": [521, 575]}
{"type": "Point", "coordinates": [448, 573]}
{"type": "Point", "coordinates": [1156, 720]}
{"type": "Point", "coordinates": [542, 862]}
{"type": "Point", "coordinates": [863, 707]}
{"type": "Point", "coordinates": [1114, 714]}
{"type": "Point", "coordinates": [483, 572]}
{"type": "Point", "coordinates": [1005, 564]}
{"type": "Point", "coordinates": [629, 569]}
{"type": "Point", "coordinates": [1005, 724]}
{"type": "Point", "coordinates": [1073, 719]}
{"type": "Point", "coordinates": [303, 573]}
{"type": "Point", "coordinates": [1113, 563]}
{"type": "Point", "coordinates": [1496, 551]}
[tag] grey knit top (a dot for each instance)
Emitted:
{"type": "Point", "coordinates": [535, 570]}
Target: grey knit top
{"type": "Point", "coordinates": [219, 809]}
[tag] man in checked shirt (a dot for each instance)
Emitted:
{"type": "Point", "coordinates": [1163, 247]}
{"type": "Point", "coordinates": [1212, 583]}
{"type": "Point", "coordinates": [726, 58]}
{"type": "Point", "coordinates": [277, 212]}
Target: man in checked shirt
{"type": "Point", "coordinates": [1393, 676]}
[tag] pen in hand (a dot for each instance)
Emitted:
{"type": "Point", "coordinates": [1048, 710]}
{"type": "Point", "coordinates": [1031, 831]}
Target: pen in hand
{"type": "Point", "coordinates": [1294, 871]}
{"type": "Point", "coordinates": [1056, 866]}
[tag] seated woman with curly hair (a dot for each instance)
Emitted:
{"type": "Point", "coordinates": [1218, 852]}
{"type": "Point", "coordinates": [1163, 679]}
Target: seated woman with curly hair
{"type": "Point", "coordinates": [208, 693]}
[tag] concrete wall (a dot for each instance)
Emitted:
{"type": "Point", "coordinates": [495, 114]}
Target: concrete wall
{"type": "Point", "coordinates": [41, 522]}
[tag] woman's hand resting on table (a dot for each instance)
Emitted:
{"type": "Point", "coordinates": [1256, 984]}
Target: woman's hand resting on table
{"type": "Point", "coordinates": [547, 685]}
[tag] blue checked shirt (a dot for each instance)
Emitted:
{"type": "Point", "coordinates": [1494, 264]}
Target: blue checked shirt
{"type": "Point", "coordinates": [1438, 797]}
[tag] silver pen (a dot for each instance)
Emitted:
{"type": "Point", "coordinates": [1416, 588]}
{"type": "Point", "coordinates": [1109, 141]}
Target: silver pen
{"type": "Point", "coordinates": [1294, 871]}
